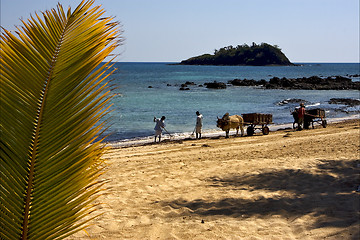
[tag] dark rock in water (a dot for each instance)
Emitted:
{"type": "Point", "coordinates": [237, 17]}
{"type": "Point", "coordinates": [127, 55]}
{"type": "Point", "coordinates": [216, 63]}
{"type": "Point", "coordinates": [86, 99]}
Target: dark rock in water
{"type": "Point", "coordinates": [184, 88]}
{"type": "Point", "coordinates": [345, 101]}
{"type": "Point", "coordinates": [291, 100]}
{"type": "Point", "coordinates": [313, 83]}
{"type": "Point", "coordinates": [189, 83]}
{"type": "Point", "coordinates": [310, 83]}
{"type": "Point", "coordinates": [247, 82]}
{"type": "Point", "coordinates": [355, 75]}
{"type": "Point", "coordinates": [150, 86]}
{"type": "Point", "coordinates": [215, 85]}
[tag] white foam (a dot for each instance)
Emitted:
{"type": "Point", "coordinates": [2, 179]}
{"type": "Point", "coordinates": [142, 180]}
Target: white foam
{"type": "Point", "coordinates": [313, 105]}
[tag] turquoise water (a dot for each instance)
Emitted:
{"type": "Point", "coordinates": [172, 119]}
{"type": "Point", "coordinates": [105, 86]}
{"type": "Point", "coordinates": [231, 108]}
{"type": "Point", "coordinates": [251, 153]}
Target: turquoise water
{"type": "Point", "coordinates": [136, 104]}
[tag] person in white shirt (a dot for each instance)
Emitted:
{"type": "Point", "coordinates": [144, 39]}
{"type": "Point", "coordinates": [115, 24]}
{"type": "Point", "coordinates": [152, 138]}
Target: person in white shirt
{"type": "Point", "coordinates": [199, 123]}
{"type": "Point", "coordinates": [159, 127]}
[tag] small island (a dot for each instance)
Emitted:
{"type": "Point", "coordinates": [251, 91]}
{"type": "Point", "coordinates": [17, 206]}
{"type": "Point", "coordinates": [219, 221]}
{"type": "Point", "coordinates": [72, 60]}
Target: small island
{"type": "Point", "coordinates": [255, 55]}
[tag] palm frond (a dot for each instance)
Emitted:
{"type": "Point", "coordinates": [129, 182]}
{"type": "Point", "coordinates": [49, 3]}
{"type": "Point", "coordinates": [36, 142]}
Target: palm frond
{"type": "Point", "coordinates": [53, 96]}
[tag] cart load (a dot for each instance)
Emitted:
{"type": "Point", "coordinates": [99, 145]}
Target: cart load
{"type": "Point", "coordinates": [311, 115]}
{"type": "Point", "coordinates": [314, 115]}
{"type": "Point", "coordinates": [256, 119]}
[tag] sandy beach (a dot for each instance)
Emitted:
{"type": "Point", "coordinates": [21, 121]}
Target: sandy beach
{"type": "Point", "coordinates": [285, 185]}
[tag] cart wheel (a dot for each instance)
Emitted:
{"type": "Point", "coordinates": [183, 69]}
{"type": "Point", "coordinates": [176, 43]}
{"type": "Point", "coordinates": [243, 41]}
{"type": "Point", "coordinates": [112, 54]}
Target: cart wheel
{"type": "Point", "coordinates": [250, 130]}
{"type": "Point", "coordinates": [324, 123]}
{"type": "Point", "coordinates": [265, 130]}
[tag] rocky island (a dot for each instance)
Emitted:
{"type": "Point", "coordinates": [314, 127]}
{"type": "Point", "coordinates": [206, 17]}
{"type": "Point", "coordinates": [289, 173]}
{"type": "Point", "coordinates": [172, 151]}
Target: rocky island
{"type": "Point", "coordinates": [255, 55]}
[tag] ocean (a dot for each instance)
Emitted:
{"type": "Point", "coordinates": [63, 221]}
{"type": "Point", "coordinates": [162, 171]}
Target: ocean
{"type": "Point", "coordinates": [145, 90]}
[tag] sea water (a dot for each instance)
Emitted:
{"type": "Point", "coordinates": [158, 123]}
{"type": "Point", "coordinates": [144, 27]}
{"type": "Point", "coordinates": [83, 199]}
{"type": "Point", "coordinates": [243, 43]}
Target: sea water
{"type": "Point", "coordinates": [147, 90]}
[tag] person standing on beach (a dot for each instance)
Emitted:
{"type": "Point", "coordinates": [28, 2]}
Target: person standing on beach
{"type": "Point", "coordinates": [159, 127]}
{"type": "Point", "coordinates": [301, 115]}
{"type": "Point", "coordinates": [199, 123]}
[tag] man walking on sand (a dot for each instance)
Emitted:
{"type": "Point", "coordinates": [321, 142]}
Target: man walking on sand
{"type": "Point", "coordinates": [199, 123]}
{"type": "Point", "coordinates": [159, 126]}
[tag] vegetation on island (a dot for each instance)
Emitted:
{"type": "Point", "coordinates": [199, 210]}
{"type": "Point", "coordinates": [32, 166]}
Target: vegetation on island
{"type": "Point", "coordinates": [255, 55]}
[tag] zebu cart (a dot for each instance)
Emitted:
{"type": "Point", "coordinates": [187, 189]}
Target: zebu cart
{"type": "Point", "coordinates": [255, 120]}
{"type": "Point", "coordinates": [314, 115]}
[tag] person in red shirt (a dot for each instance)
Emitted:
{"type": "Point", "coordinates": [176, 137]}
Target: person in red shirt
{"type": "Point", "coordinates": [301, 115]}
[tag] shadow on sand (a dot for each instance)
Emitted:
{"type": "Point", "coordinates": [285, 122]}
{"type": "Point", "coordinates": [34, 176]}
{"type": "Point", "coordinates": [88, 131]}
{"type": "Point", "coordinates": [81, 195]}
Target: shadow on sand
{"type": "Point", "coordinates": [329, 194]}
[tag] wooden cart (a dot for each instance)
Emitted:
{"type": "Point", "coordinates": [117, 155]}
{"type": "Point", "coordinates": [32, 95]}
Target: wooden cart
{"type": "Point", "coordinates": [314, 115]}
{"type": "Point", "coordinates": [252, 120]}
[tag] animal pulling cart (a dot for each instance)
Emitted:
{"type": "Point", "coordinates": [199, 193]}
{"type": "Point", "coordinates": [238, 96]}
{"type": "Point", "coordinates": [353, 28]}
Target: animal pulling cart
{"type": "Point", "coordinates": [311, 115]}
{"type": "Point", "coordinates": [257, 121]}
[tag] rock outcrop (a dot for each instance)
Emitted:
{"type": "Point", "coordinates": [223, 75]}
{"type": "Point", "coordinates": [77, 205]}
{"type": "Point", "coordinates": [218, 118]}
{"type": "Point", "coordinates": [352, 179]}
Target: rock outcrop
{"type": "Point", "coordinates": [215, 85]}
{"type": "Point", "coordinates": [310, 83]}
{"type": "Point", "coordinates": [346, 101]}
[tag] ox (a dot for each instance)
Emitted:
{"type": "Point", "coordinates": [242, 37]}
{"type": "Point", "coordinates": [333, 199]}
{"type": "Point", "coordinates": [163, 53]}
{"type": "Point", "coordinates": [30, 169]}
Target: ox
{"type": "Point", "coordinates": [227, 122]}
{"type": "Point", "coordinates": [296, 118]}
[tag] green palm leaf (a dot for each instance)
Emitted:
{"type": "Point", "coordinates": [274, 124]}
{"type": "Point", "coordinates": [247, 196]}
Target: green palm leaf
{"type": "Point", "coordinates": [53, 96]}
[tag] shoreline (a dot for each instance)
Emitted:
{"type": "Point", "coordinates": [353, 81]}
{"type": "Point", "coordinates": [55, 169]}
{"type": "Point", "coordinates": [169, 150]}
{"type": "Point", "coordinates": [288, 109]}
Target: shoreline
{"type": "Point", "coordinates": [208, 134]}
{"type": "Point", "coordinates": [137, 123]}
{"type": "Point", "coordinates": [285, 185]}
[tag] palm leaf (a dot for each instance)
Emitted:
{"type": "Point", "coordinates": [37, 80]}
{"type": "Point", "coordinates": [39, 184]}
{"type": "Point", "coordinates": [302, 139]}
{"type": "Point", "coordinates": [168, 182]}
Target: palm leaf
{"type": "Point", "coordinates": [53, 96]}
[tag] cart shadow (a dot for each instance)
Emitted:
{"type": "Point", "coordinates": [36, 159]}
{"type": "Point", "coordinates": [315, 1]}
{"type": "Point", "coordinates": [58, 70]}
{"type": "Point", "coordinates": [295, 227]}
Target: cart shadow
{"type": "Point", "coordinates": [329, 194]}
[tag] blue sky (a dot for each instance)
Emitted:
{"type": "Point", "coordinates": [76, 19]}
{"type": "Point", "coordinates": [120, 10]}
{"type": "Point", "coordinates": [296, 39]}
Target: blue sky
{"type": "Point", "coordinates": [174, 30]}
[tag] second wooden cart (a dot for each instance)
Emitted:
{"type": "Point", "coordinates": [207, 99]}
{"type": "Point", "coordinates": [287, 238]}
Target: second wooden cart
{"type": "Point", "coordinates": [314, 115]}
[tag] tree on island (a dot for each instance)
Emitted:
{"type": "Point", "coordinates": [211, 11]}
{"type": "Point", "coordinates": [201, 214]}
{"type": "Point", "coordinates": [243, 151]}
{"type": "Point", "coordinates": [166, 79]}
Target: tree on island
{"type": "Point", "coordinates": [256, 55]}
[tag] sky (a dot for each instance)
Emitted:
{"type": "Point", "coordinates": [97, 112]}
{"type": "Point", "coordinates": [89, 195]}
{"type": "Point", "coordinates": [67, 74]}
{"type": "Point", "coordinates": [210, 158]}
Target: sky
{"type": "Point", "coordinates": [175, 30]}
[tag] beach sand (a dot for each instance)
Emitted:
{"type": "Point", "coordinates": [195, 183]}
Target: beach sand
{"type": "Point", "coordinates": [285, 185]}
